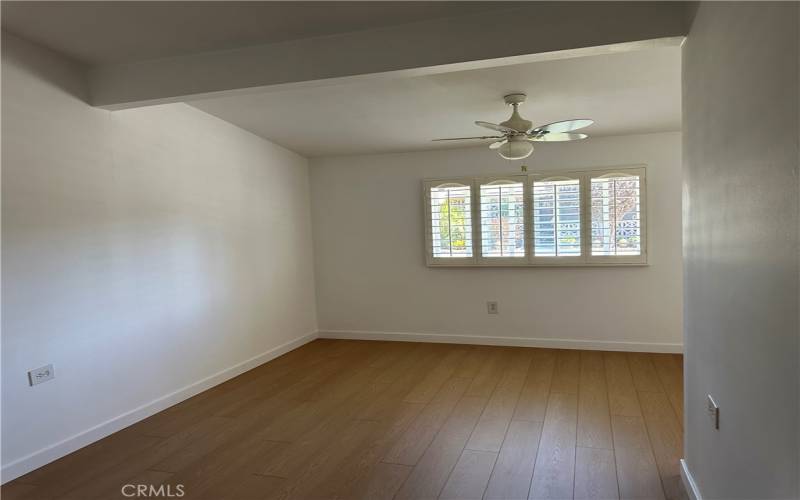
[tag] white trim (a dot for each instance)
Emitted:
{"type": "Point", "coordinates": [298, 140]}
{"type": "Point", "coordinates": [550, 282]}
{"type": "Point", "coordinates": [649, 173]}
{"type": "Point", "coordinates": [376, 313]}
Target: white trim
{"type": "Point", "coordinates": [447, 338]}
{"type": "Point", "coordinates": [639, 171]}
{"type": "Point", "coordinates": [688, 482]}
{"type": "Point", "coordinates": [586, 259]}
{"type": "Point", "coordinates": [584, 215]}
{"type": "Point", "coordinates": [427, 185]}
{"type": "Point", "coordinates": [488, 180]}
{"type": "Point", "coordinates": [55, 451]}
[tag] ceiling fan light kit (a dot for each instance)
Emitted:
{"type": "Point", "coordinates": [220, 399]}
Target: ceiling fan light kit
{"type": "Point", "coordinates": [516, 148]}
{"type": "Point", "coordinates": [518, 133]}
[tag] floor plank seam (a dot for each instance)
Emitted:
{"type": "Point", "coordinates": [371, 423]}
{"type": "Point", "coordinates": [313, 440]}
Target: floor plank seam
{"type": "Point", "coordinates": [613, 439]}
{"type": "Point", "coordinates": [649, 440]}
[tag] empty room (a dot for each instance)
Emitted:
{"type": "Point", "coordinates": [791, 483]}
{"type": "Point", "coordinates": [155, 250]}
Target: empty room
{"type": "Point", "coordinates": [321, 250]}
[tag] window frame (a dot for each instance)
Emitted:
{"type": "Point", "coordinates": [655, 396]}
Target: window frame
{"type": "Point", "coordinates": [554, 260]}
{"type": "Point", "coordinates": [427, 185]}
{"type": "Point", "coordinates": [478, 243]}
{"type": "Point", "coordinates": [619, 260]}
{"type": "Point", "coordinates": [586, 259]}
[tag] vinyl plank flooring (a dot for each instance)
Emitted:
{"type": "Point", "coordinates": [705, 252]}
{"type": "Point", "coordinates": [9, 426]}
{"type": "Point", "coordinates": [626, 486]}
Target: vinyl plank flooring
{"type": "Point", "coordinates": [622, 399]}
{"type": "Point", "coordinates": [594, 421]}
{"type": "Point", "coordinates": [532, 402]}
{"type": "Point", "coordinates": [670, 372]}
{"type": "Point", "coordinates": [595, 474]}
{"type": "Point", "coordinates": [248, 487]}
{"type": "Point", "coordinates": [513, 471]}
{"type": "Point", "coordinates": [470, 476]}
{"type": "Point", "coordinates": [218, 471]}
{"type": "Point", "coordinates": [362, 461]}
{"type": "Point", "coordinates": [89, 463]}
{"type": "Point", "coordinates": [471, 365]}
{"type": "Point", "coordinates": [554, 472]}
{"type": "Point", "coordinates": [488, 376]}
{"type": "Point", "coordinates": [381, 484]}
{"type": "Point", "coordinates": [637, 472]}
{"type": "Point", "coordinates": [398, 381]}
{"type": "Point", "coordinates": [343, 420]}
{"type": "Point", "coordinates": [643, 372]}
{"type": "Point", "coordinates": [149, 478]}
{"type": "Point", "coordinates": [567, 372]}
{"type": "Point", "coordinates": [238, 428]}
{"type": "Point", "coordinates": [314, 473]}
{"type": "Point", "coordinates": [16, 490]}
{"type": "Point", "coordinates": [432, 471]}
{"type": "Point", "coordinates": [409, 448]}
{"type": "Point", "coordinates": [111, 482]}
{"type": "Point", "coordinates": [338, 422]}
{"type": "Point", "coordinates": [433, 381]}
{"type": "Point", "coordinates": [491, 429]}
{"type": "Point", "coordinates": [665, 439]}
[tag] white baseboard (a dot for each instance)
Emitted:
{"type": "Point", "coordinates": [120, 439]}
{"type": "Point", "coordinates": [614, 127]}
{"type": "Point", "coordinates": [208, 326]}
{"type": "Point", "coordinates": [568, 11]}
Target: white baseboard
{"type": "Point", "coordinates": [53, 452]}
{"type": "Point", "coordinates": [597, 345]}
{"type": "Point", "coordinates": [688, 482]}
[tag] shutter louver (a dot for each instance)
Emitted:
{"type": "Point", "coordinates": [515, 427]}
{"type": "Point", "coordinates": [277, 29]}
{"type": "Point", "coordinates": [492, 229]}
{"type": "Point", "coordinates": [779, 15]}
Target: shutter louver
{"type": "Point", "coordinates": [616, 215]}
{"type": "Point", "coordinates": [502, 212]}
{"type": "Point", "coordinates": [451, 221]}
{"type": "Point", "coordinates": [557, 218]}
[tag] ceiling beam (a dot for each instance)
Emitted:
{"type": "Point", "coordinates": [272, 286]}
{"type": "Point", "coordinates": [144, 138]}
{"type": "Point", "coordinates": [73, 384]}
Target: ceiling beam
{"type": "Point", "coordinates": [530, 32]}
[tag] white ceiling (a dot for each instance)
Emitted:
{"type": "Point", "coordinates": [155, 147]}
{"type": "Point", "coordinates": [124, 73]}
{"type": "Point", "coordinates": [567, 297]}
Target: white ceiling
{"type": "Point", "coordinates": [105, 32]}
{"type": "Point", "coordinates": [625, 93]}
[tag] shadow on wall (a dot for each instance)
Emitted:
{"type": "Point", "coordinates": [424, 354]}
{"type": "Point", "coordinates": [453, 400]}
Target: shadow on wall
{"type": "Point", "coordinates": [60, 75]}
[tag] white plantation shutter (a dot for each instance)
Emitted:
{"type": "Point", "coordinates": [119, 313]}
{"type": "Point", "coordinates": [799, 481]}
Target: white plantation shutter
{"type": "Point", "coordinates": [588, 217]}
{"type": "Point", "coordinates": [557, 218]}
{"type": "Point", "coordinates": [502, 218]}
{"type": "Point", "coordinates": [617, 210]}
{"type": "Point", "coordinates": [450, 220]}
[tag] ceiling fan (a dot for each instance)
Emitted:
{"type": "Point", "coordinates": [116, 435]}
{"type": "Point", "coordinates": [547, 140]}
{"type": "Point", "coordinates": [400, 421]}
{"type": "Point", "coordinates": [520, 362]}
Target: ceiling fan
{"type": "Point", "coordinates": [518, 133]}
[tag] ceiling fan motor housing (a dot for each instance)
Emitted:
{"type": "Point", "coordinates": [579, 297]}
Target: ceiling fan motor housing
{"type": "Point", "coordinates": [516, 122]}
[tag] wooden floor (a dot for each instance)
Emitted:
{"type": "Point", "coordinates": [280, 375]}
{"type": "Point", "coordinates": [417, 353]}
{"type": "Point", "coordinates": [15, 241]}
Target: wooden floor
{"type": "Point", "coordinates": [374, 420]}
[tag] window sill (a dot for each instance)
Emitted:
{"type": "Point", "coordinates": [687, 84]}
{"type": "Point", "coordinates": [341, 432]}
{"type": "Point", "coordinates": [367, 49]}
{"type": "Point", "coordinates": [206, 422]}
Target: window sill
{"type": "Point", "coordinates": [506, 264]}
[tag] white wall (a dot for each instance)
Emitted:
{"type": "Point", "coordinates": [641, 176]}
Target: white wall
{"type": "Point", "coordinates": [143, 251]}
{"type": "Point", "coordinates": [371, 275]}
{"type": "Point", "coordinates": [740, 87]}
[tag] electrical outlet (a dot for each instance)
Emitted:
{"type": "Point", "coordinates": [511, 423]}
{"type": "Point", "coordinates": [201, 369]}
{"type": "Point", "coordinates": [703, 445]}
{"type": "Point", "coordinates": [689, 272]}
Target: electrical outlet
{"type": "Point", "coordinates": [40, 375]}
{"type": "Point", "coordinates": [713, 411]}
{"type": "Point", "coordinates": [491, 308]}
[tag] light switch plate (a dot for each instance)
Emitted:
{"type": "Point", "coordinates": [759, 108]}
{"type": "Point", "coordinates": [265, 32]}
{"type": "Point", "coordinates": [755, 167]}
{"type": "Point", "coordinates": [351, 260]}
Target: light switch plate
{"type": "Point", "coordinates": [713, 411]}
{"type": "Point", "coordinates": [40, 375]}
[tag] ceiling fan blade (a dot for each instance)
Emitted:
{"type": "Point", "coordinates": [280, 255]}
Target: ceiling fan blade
{"type": "Point", "coordinates": [493, 126]}
{"type": "Point", "coordinates": [497, 144]}
{"type": "Point", "coordinates": [467, 138]}
{"type": "Point", "coordinates": [558, 137]}
{"type": "Point", "coordinates": [563, 126]}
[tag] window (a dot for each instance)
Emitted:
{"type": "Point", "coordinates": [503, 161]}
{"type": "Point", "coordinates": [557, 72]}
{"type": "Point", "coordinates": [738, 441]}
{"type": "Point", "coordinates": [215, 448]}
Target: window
{"type": "Point", "coordinates": [502, 218]}
{"type": "Point", "coordinates": [557, 217]}
{"type": "Point", "coordinates": [449, 212]}
{"type": "Point", "coordinates": [616, 215]}
{"type": "Point", "coordinates": [592, 217]}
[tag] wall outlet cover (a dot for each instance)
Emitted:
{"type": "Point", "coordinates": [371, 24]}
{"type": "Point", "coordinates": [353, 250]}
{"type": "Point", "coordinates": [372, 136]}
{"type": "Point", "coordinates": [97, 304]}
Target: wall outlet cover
{"type": "Point", "coordinates": [40, 375]}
